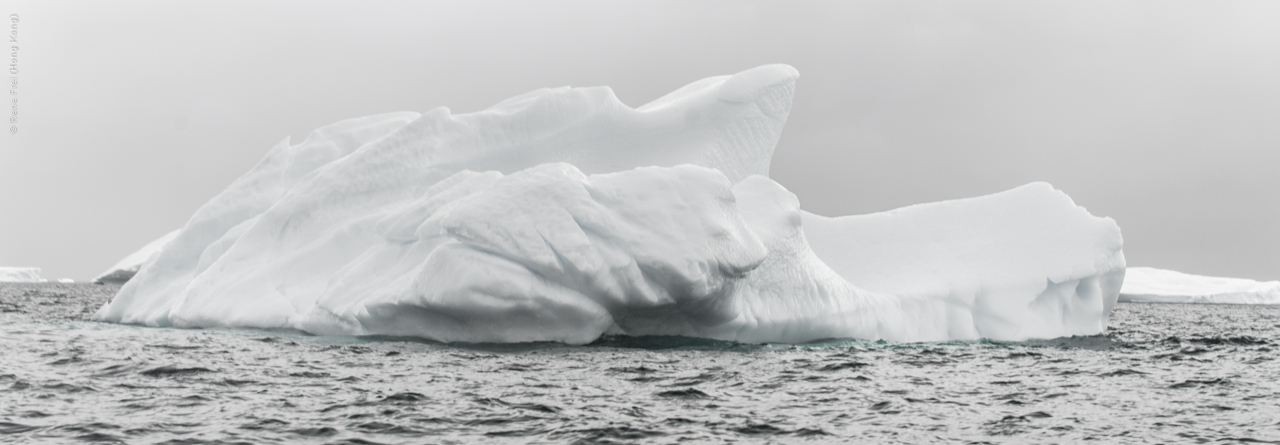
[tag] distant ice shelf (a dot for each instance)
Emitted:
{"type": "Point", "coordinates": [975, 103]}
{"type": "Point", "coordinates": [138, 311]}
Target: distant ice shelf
{"type": "Point", "coordinates": [20, 275]}
{"type": "Point", "coordinates": [1151, 285]}
{"type": "Point", "coordinates": [563, 214]}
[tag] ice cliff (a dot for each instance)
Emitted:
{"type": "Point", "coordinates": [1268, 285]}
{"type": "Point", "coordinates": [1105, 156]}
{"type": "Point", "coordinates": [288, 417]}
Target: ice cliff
{"type": "Point", "coordinates": [1151, 285]}
{"type": "Point", "coordinates": [20, 275]}
{"type": "Point", "coordinates": [563, 214]}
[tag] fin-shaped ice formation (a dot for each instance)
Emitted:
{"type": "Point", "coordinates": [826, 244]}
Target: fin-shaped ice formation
{"type": "Point", "coordinates": [127, 267]}
{"type": "Point", "coordinates": [1151, 285]}
{"type": "Point", "coordinates": [562, 215]}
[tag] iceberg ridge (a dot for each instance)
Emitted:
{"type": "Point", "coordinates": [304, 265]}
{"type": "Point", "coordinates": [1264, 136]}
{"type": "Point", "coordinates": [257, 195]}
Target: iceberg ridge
{"type": "Point", "coordinates": [127, 267]}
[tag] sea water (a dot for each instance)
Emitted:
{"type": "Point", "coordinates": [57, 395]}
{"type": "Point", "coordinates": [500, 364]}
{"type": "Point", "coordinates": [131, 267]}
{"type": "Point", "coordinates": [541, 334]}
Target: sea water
{"type": "Point", "coordinates": [1161, 373]}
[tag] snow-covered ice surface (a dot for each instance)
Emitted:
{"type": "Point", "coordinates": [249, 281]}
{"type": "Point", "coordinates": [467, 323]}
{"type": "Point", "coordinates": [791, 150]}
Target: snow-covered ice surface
{"type": "Point", "coordinates": [1151, 285]}
{"type": "Point", "coordinates": [127, 267]}
{"type": "Point", "coordinates": [20, 275]}
{"type": "Point", "coordinates": [563, 215]}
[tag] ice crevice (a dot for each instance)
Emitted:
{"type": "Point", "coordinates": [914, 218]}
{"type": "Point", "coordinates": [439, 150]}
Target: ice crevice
{"type": "Point", "coordinates": [563, 214]}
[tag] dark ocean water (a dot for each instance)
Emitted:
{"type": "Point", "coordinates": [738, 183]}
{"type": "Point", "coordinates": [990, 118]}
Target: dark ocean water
{"type": "Point", "coordinates": [1161, 374]}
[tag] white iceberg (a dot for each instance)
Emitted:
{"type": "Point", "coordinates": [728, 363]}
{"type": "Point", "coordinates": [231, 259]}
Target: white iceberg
{"type": "Point", "coordinates": [127, 267]}
{"type": "Point", "coordinates": [20, 275]}
{"type": "Point", "coordinates": [1151, 285]}
{"type": "Point", "coordinates": [1024, 263]}
{"type": "Point", "coordinates": [563, 215]}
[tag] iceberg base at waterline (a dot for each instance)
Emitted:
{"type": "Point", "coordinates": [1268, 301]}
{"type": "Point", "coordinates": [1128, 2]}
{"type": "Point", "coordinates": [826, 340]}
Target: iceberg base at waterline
{"type": "Point", "coordinates": [564, 215]}
{"type": "Point", "coordinates": [1151, 285]}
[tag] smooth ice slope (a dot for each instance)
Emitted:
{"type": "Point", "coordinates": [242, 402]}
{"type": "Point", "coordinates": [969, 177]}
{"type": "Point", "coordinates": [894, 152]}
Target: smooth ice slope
{"type": "Point", "coordinates": [20, 275]}
{"type": "Point", "coordinates": [562, 215]}
{"type": "Point", "coordinates": [1151, 285]}
{"type": "Point", "coordinates": [127, 267]}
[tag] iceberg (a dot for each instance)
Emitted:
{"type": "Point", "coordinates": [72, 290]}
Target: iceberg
{"type": "Point", "coordinates": [563, 215]}
{"type": "Point", "coordinates": [127, 267]}
{"type": "Point", "coordinates": [1023, 263]}
{"type": "Point", "coordinates": [20, 275]}
{"type": "Point", "coordinates": [1151, 285]}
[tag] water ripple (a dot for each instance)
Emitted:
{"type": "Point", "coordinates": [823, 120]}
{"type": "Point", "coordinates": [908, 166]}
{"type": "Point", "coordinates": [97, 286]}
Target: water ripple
{"type": "Point", "coordinates": [1162, 373]}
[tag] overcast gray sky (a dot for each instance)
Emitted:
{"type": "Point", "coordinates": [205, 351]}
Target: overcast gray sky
{"type": "Point", "coordinates": [1164, 115]}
